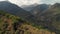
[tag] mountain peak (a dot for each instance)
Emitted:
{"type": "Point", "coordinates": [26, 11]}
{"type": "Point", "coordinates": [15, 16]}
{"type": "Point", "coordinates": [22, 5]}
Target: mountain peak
{"type": "Point", "coordinates": [56, 5]}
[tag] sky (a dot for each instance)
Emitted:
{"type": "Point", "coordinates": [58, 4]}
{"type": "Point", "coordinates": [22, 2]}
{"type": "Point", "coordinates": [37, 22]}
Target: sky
{"type": "Point", "coordinates": [29, 2]}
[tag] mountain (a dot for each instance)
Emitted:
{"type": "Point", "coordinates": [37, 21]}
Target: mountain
{"type": "Point", "coordinates": [9, 7]}
{"type": "Point", "coordinates": [39, 8]}
{"type": "Point", "coordinates": [15, 10]}
{"type": "Point", "coordinates": [29, 7]}
{"type": "Point", "coordinates": [48, 16]}
{"type": "Point", "coordinates": [51, 17]}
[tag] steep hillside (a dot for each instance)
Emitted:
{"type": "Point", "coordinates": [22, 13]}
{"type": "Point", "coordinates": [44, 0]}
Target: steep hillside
{"type": "Point", "coordinates": [15, 10]}
{"type": "Point", "coordinates": [39, 9]}
{"type": "Point", "coordinates": [48, 16]}
{"type": "Point", "coordinates": [51, 18]}
{"type": "Point", "coordinates": [10, 24]}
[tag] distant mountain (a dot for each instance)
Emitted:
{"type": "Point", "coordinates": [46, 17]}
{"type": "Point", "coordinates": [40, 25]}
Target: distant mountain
{"type": "Point", "coordinates": [29, 7]}
{"type": "Point", "coordinates": [14, 9]}
{"type": "Point", "coordinates": [9, 7]}
{"type": "Point", "coordinates": [39, 8]}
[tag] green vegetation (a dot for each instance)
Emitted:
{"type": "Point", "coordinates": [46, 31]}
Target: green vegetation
{"type": "Point", "coordinates": [10, 24]}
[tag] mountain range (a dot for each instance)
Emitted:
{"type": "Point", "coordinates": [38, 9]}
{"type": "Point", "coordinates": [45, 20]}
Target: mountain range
{"type": "Point", "coordinates": [47, 16]}
{"type": "Point", "coordinates": [15, 10]}
{"type": "Point", "coordinates": [50, 17]}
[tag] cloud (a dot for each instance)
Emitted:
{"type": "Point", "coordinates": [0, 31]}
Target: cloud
{"type": "Point", "coordinates": [25, 2]}
{"type": "Point", "coordinates": [28, 2]}
{"type": "Point", "coordinates": [50, 1]}
{"type": "Point", "coordinates": [2, 0]}
{"type": "Point", "coordinates": [58, 1]}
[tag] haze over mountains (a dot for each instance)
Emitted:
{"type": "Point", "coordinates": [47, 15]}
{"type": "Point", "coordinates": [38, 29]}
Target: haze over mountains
{"type": "Point", "coordinates": [29, 7]}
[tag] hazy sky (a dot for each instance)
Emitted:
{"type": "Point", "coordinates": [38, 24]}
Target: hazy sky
{"type": "Point", "coordinates": [28, 2]}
